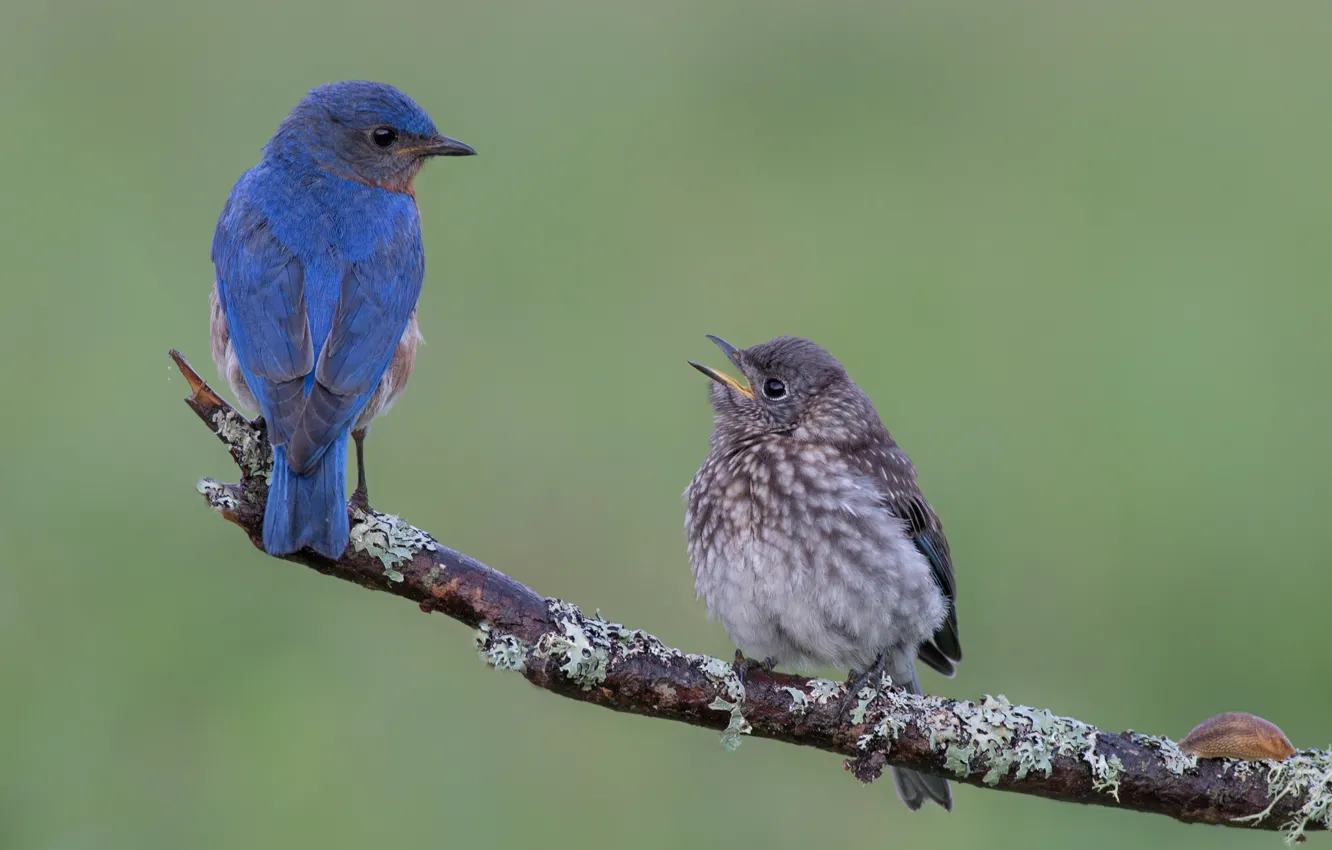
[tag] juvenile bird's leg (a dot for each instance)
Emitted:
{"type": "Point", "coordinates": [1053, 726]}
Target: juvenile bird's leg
{"type": "Point", "coordinates": [360, 496]}
{"type": "Point", "coordinates": [743, 665]}
{"type": "Point", "coordinates": [856, 682]}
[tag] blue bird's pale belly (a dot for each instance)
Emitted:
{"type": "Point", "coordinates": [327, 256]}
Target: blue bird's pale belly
{"type": "Point", "coordinates": [808, 570]}
{"type": "Point", "coordinates": [390, 386]}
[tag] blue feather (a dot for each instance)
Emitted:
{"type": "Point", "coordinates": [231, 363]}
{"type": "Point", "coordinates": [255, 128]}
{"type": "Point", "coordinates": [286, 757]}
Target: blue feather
{"type": "Point", "coordinates": [319, 268]}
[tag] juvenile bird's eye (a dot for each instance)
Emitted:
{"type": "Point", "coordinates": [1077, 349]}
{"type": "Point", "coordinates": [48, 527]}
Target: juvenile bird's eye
{"type": "Point", "coordinates": [384, 136]}
{"type": "Point", "coordinates": [773, 388]}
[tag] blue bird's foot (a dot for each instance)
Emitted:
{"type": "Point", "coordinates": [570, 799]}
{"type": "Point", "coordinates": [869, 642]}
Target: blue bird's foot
{"type": "Point", "coordinates": [856, 682]}
{"type": "Point", "coordinates": [360, 499]}
{"type": "Point", "coordinates": [743, 665]}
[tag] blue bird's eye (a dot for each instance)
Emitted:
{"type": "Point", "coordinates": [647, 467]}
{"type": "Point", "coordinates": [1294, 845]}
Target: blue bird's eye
{"type": "Point", "coordinates": [773, 388]}
{"type": "Point", "coordinates": [384, 136]}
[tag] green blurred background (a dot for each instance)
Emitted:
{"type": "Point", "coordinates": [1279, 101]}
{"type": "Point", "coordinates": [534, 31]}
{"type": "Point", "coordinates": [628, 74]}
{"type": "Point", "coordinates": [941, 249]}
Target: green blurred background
{"type": "Point", "coordinates": [1077, 254]}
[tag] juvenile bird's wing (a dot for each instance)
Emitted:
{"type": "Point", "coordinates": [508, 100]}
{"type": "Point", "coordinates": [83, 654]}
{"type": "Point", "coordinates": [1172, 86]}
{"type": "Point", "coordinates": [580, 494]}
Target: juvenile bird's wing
{"type": "Point", "coordinates": [375, 301]}
{"type": "Point", "coordinates": [901, 494]}
{"type": "Point", "coordinates": [261, 285]}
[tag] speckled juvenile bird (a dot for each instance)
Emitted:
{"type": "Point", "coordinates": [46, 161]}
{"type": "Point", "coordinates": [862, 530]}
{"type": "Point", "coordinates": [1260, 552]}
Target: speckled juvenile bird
{"type": "Point", "coordinates": [808, 535]}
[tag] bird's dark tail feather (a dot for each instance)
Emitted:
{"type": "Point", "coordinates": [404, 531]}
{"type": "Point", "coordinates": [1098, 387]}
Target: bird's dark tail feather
{"type": "Point", "coordinates": [915, 788]}
{"type": "Point", "coordinates": [308, 510]}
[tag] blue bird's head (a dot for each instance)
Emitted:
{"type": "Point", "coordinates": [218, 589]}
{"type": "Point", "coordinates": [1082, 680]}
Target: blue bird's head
{"type": "Point", "coordinates": [368, 132]}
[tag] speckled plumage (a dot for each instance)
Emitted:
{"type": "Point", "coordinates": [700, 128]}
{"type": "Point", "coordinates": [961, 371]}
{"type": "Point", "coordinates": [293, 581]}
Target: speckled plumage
{"type": "Point", "coordinates": [808, 535]}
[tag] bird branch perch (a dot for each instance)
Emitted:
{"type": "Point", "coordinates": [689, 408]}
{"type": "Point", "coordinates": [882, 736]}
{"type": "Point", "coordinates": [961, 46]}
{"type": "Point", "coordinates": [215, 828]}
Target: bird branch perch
{"type": "Point", "coordinates": [990, 744]}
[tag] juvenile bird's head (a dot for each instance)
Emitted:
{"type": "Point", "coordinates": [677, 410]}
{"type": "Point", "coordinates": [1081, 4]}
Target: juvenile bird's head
{"type": "Point", "coordinates": [368, 132]}
{"type": "Point", "coordinates": [792, 387]}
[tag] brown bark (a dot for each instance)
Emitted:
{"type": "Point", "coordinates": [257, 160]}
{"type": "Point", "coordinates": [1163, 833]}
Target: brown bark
{"type": "Point", "coordinates": [989, 744]}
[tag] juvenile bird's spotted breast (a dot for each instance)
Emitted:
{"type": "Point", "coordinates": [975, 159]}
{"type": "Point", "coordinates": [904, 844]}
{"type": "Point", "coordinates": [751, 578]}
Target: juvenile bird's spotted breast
{"type": "Point", "coordinates": [793, 551]}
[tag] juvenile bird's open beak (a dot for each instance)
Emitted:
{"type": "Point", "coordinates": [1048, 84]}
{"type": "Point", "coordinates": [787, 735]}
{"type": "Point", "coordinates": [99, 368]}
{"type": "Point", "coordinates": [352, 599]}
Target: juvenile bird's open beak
{"type": "Point", "coordinates": [439, 145]}
{"type": "Point", "coordinates": [721, 377]}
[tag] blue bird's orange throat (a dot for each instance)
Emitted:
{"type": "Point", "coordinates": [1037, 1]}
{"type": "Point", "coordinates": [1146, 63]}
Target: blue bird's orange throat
{"type": "Point", "coordinates": [403, 183]}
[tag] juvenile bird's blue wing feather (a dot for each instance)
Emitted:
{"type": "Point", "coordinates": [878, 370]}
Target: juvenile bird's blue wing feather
{"type": "Point", "coordinates": [377, 297]}
{"type": "Point", "coordinates": [896, 479]}
{"type": "Point", "coordinates": [945, 650]}
{"type": "Point", "coordinates": [261, 284]}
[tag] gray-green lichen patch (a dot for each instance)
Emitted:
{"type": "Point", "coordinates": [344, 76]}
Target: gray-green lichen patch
{"type": "Point", "coordinates": [799, 702]}
{"type": "Point", "coordinates": [1105, 772]}
{"type": "Point", "coordinates": [884, 709]}
{"type": "Point", "coordinates": [730, 696]}
{"type": "Point", "coordinates": [500, 651]}
{"type": "Point", "coordinates": [1029, 739]}
{"type": "Point", "coordinates": [957, 758]}
{"type": "Point", "coordinates": [864, 697]}
{"type": "Point", "coordinates": [217, 495]}
{"type": "Point", "coordinates": [254, 454]}
{"type": "Point", "coordinates": [390, 539]}
{"type": "Point", "coordinates": [1307, 774]}
{"type": "Point", "coordinates": [584, 649]}
{"type": "Point", "coordinates": [737, 726]}
{"type": "Point", "coordinates": [588, 647]}
{"type": "Point", "coordinates": [822, 690]}
{"type": "Point", "coordinates": [889, 718]}
{"type": "Point", "coordinates": [994, 736]}
{"type": "Point", "coordinates": [720, 672]}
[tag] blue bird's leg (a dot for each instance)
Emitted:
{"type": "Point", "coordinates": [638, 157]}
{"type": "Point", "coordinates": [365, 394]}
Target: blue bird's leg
{"type": "Point", "coordinates": [856, 682]}
{"type": "Point", "coordinates": [360, 496]}
{"type": "Point", "coordinates": [743, 665]}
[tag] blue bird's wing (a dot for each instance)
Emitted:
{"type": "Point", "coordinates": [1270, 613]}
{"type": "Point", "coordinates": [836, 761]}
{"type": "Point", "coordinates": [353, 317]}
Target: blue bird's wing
{"type": "Point", "coordinates": [896, 478]}
{"type": "Point", "coordinates": [375, 302]}
{"type": "Point", "coordinates": [261, 284]}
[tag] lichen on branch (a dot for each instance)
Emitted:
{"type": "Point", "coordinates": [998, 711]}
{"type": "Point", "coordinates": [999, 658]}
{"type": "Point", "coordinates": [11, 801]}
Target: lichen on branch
{"type": "Point", "coordinates": [990, 744]}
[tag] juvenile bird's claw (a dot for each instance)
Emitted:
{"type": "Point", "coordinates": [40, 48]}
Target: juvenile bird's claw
{"type": "Point", "coordinates": [743, 665]}
{"type": "Point", "coordinates": [856, 682]}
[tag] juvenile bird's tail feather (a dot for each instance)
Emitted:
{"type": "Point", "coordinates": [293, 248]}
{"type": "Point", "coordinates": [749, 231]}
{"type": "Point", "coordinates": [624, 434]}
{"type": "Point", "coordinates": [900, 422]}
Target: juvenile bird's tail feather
{"type": "Point", "coordinates": [308, 510]}
{"type": "Point", "coordinates": [915, 788]}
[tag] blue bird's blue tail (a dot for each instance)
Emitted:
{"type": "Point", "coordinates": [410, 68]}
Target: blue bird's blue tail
{"type": "Point", "coordinates": [308, 510]}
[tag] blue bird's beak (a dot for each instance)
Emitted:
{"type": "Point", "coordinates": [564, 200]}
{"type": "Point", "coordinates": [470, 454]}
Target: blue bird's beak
{"type": "Point", "coordinates": [722, 378]}
{"type": "Point", "coordinates": [438, 145]}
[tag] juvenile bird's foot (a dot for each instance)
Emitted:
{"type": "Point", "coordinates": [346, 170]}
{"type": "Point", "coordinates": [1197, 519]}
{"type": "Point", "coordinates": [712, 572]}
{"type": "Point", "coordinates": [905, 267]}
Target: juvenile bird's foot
{"type": "Point", "coordinates": [743, 665]}
{"type": "Point", "coordinates": [856, 682]}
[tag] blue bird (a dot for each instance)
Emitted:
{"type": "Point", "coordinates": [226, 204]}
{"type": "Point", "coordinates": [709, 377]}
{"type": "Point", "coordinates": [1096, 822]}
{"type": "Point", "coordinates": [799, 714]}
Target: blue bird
{"type": "Point", "coordinates": [319, 265]}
